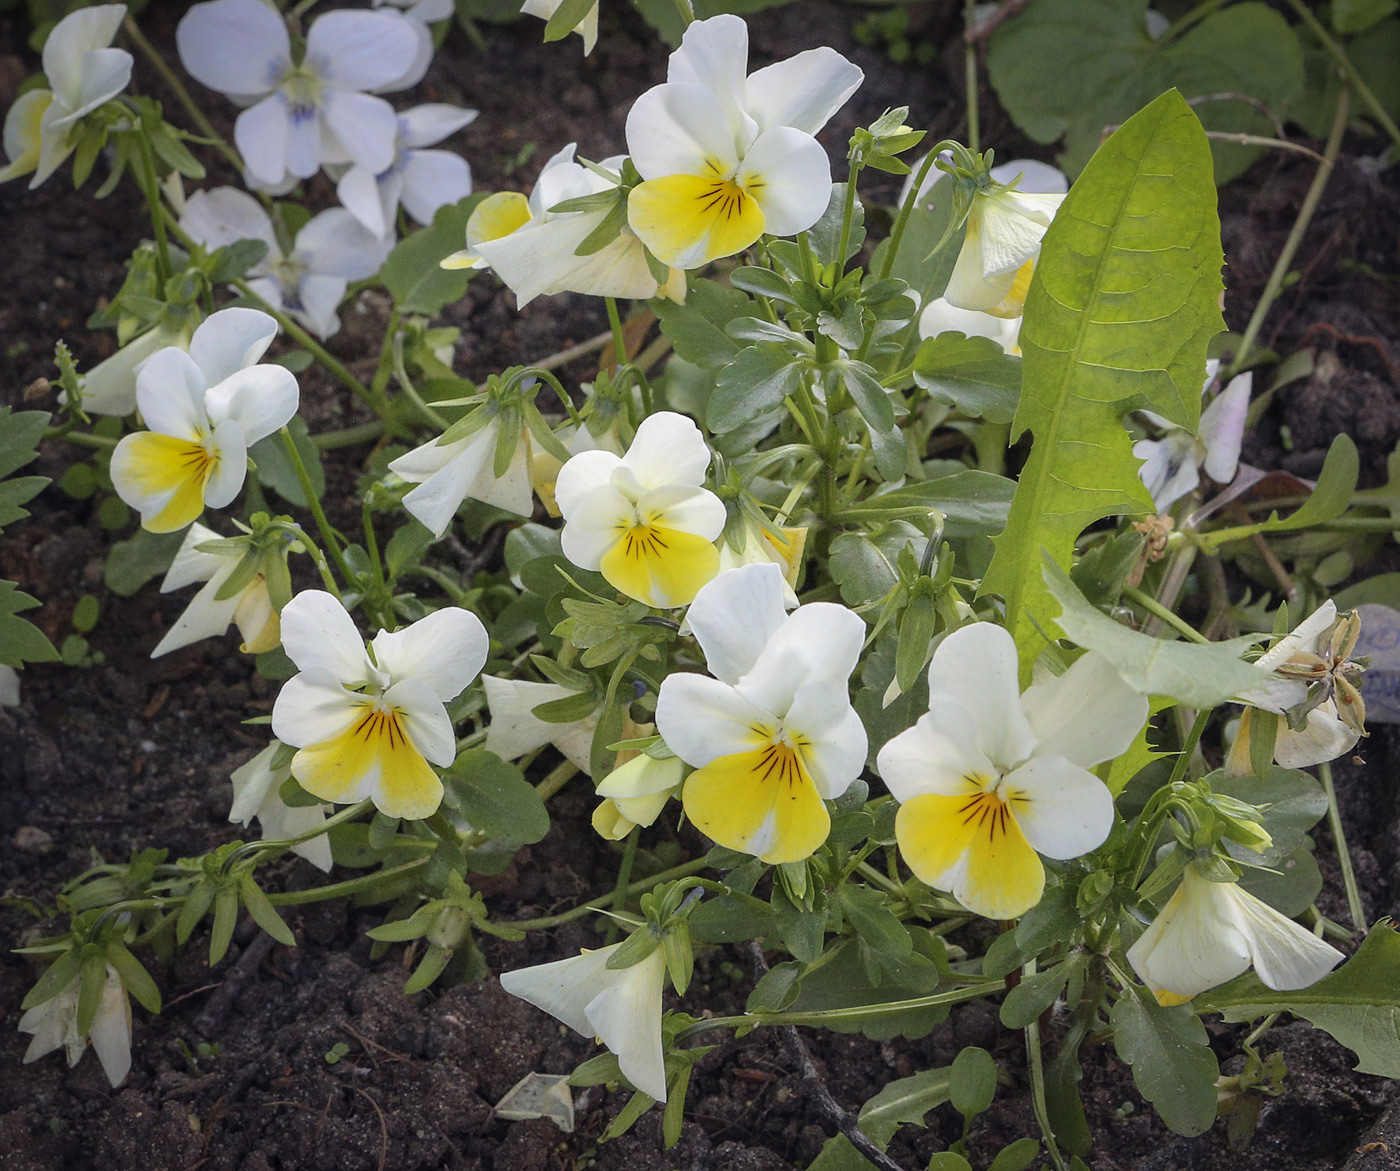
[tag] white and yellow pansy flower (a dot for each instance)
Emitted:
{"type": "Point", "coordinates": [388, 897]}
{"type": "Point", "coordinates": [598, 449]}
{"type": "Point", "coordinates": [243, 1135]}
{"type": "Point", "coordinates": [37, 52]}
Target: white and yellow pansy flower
{"type": "Point", "coordinates": [204, 409]}
{"type": "Point", "coordinates": [1210, 932]}
{"type": "Point", "coordinates": [534, 249]}
{"type": "Point", "coordinates": [726, 157]}
{"type": "Point", "coordinates": [992, 273]}
{"type": "Point", "coordinates": [1172, 465]}
{"type": "Point", "coordinates": [23, 134]}
{"type": "Point", "coordinates": [621, 1007]}
{"type": "Point", "coordinates": [644, 520]}
{"type": "Point", "coordinates": [257, 792]}
{"type": "Point", "coordinates": [515, 729]}
{"type": "Point", "coordinates": [587, 28]}
{"type": "Point", "coordinates": [208, 615]}
{"type": "Point", "coordinates": [635, 793]}
{"type": "Point", "coordinates": [991, 776]}
{"type": "Point", "coordinates": [448, 473]}
{"type": "Point", "coordinates": [54, 1024]}
{"type": "Point", "coordinates": [773, 734]}
{"type": "Point", "coordinates": [1316, 652]}
{"type": "Point", "coordinates": [369, 720]}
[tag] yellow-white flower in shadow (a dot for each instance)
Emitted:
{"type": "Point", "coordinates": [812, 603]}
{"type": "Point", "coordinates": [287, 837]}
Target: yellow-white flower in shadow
{"type": "Point", "coordinates": [54, 1024]}
{"type": "Point", "coordinates": [621, 1007]}
{"type": "Point", "coordinates": [515, 729]}
{"type": "Point", "coordinates": [1210, 932]}
{"type": "Point", "coordinates": [773, 735]}
{"type": "Point", "coordinates": [369, 720]}
{"type": "Point", "coordinates": [644, 520]}
{"type": "Point", "coordinates": [726, 157]}
{"type": "Point", "coordinates": [759, 545]}
{"type": "Point", "coordinates": [204, 409]}
{"type": "Point", "coordinates": [257, 792]}
{"type": "Point", "coordinates": [635, 793]}
{"type": "Point", "coordinates": [208, 615]}
{"type": "Point", "coordinates": [990, 776]}
{"type": "Point", "coordinates": [993, 270]}
{"type": "Point", "coordinates": [23, 135]}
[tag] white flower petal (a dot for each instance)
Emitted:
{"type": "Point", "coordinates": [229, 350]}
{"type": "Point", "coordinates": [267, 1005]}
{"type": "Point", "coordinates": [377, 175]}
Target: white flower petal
{"type": "Point", "coordinates": [260, 399]}
{"type": "Point", "coordinates": [515, 729]}
{"type": "Point", "coordinates": [72, 51]}
{"type": "Point", "coordinates": [626, 1017]}
{"type": "Point", "coordinates": [1222, 428]}
{"type": "Point", "coordinates": [365, 126]}
{"type": "Point", "coordinates": [230, 448]}
{"type": "Point", "coordinates": [424, 719]}
{"type": "Point", "coordinates": [109, 388]}
{"type": "Point", "coordinates": [1066, 811]}
{"type": "Point", "coordinates": [592, 526]}
{"type": "Point", "coordinates": [793, 175]}
{"type": "Point", "coordinates": [313, 707]}
{"type": "Point", "coordinates": [170, 394]}
{"type": "Point", "coordinates": [679, 129]}
{"type": "Point", "coordinates": [361, 50]}
{"type": "Point", "coordinates": [318, 297]}
{"type": "Point", "coordinates": [358, 192]}
{"type": "Point", "coordinates": [581, 475]}
{"type": "Point", "coordinates": [734, 616]}
{"type": "Point", "coordinates": [225, 215]}
{"type": "Point", "coordinates": [252, 782]}
{"type": "Point", "coordinates": [303, 153]}
{"type": "Point", "coordinates": [430, 123]}
{"type": "Point", "coordinates": [318, 635]}
{"type": "Point", "coordinates": [433, 179]}
{"type": "Point", "coordinates": [263, 134]}
{"type": "Point", "coordinates": [229, 340]}
{"type": "Point", "coordinates": [821, 714]}
{"type": "Point", "coordinates": [702, 719]}
{"type": "Point", "coordinates": [445, 650]}
{"type": "Point", "coordinates": [564, 988]}
{"type": "Point", "coordinates": [817, 643]}
{"type": "Point", "coordinates": [1286, 955]}
{"type": "Point", "coordinates": [668, 449]}
{"type": "Point", "coordinates": [1302, 638]}
{"type": "Point", "coordinates": [234, 46]}
{"type": "Point", "coordinates": [1325, 737]}
{"type": "Point", "coordinates": [939, 754]}
{"type": "Point", "coordinates": [207, 615]}
{"type": "Point", "coordinates": [1087, 715]}
{"type": "Point", "coordinates": [713, 53]}
{"type": "Point", "coordinates": [111, 1029]}
{"type": "Point", "coordinates": [976, 668]}
{"type": "Point", "coordinates": [335, 243]}
{"type": "Point", "coordinates": [802, 92]}
{"type": "Point", "coordinates": [1195, 942]}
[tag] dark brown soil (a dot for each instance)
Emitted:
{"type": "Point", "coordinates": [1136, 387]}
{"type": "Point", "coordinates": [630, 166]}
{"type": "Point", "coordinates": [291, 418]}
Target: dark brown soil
{"type": "Point", "coordinates": [128, 753]}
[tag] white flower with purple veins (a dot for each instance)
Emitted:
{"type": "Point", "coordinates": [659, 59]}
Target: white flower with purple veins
{"type": "Point", "coordinates": [309, 112]}
{"type": "Point", "coordinates": [308, 282]}
{"type": "Point", "coordinates": [1172, 465]}
{"type": "Point", "coordinates": [421, 180]}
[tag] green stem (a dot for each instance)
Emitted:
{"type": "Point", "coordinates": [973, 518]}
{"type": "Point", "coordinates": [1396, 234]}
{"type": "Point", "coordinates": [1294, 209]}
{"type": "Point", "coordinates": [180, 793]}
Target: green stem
{"type": "Point", "coordinates": [406, 385]}
{"type": "Point", "coordinates": [848, 214]}
{"type": "Point", "coordinates": [1339, 839]}
{"type": "Point", "coordinates": [1037, 1072]}
{"type": "Point", "coordinates": [1155, 608]}
{"type": "Point", "coordinates": [314, 503]}
{"type": "Point", "coordinates": [351, 886]}
{"type": "Point", "coordinates": [556, 779]}
{"type": "Point", "coordinates": [1343, 62]}
{"type": "Point", "coordinates": [1188, 746]}
{"type": "Point", "coordinates": [684, 870]}
{"type": "Point", "coordinates": [970, 76]}
{"type": "Point", "coordinates": [1200, 12]}
{"type": "Point", "coordinates": [379, 384]}
{"type": "Point", "coordinates": [348, 436]}
{"type": "Point", "coordinates": [906, 209]}
{"type": "Point", "coordinates": [81, 438]}
{"type": "Point", "coordinates": [327, 577]}
{"type": "Point", "coordinates": [1300, 227]}
{"type": "Point", "coordinates": [619, 339]}
{"type": "Point", "coordinates": [624, 878]}
{"type": "Point", "coordinates": [280, 845]}
{"type": "Point", "coordinates": [150, 188]}
{"type": "Point", "coordinates": [686, 11]}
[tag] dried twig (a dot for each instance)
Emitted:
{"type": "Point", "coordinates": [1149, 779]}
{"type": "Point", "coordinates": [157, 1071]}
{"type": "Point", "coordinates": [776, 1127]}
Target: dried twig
{"type": "Point", "coordinates": [383, 1127]}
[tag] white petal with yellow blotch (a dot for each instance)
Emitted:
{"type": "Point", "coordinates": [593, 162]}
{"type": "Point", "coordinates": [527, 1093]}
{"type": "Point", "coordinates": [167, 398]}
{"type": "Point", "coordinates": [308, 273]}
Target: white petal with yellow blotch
{"type": "Point", "coordinates": [1209, 932]}
{"type": "Point", "coordinates": [257, 794]}
{"type": "Point", "coordinates": [635, 793]}
{"type": "Point", "coordinates": [990, 778]}
{"type": "Point", "coordinates": [993, 270]}
{"type": "Point", "coordinates": [54, 1024]}
{"type": "Point", "coordinates": [644, 520]}
{"type": "Point", "coordinates": [369, 729]}
{"type": "Point", "coordinates": [208, 615]}
{"type": "Point", "coordinates": [23, 134]}
{"type": "Point", "coordinates": [775, 734]}
{"type": "Point", "coordinates": [449, 473]}
{"type": "Point", "coordinates": [515, 729]}
{"type": "Point", "coordinates": [621, 1007]}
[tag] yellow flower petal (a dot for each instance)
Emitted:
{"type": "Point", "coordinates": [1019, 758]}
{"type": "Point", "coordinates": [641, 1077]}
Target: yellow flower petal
{"type": "Point", "coordinates": [659, 566]}
{"type": "Point", "coordinates": [761, 802]}
{"type": "Point", "coordinates": [494, 217]}
{"type": "Point", "coordinates": [1014, 303]}
{"type": "Point", "coordinates": [610, 823]}
{"type": "Point", "coordinates": [152, 466]}
{"type": "Point", "coordinates": [689, 220]}
{"type": "Point", "coordinates": [373, 757]}
{"type": "Point", "coordinates": [973, 843]}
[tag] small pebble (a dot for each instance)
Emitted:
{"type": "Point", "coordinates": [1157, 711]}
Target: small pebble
{"type": "Point", "coordinates": [30, 839]}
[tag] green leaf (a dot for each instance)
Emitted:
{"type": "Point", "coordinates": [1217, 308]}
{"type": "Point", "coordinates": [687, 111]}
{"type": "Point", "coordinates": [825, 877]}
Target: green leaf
{"type": "Point", "coordinates": [135, 979]}
{"type": "Point", "coordinates": [1196, 674]}
{"type": "Point", "coordinates": [973, 374]}
{"type": "Point", "coordinates": [1034, 994]}
{"type": "Point", "coordinates": [1354, 16]}
{"type": "Point", "coordinates": [972, 1081]}
{"type": "Point", "coordinates": [906, 1100]}
{"type": "Point", "coordinates": [825, 235]}
{"type": "Point", "coordinates": [973, 503]}
{"type": "Point", "coordinates": [1173, 1066]}
{"type": "Point", "coordinates": [132, 563]}
{"type": "Point", "coordinates": [757, 379]}
{"type": "Point", "coordinates": [19, 437]}
{"type": "Point", "coordinates": [1123, 301]}
{"type": "Point", "coordinates": [1016, 1156]}
{"type": "Point", "coordinates": [864, 565]}
{"type": "Point", "coordinates": [1244, 49]}
{"type": "Point", "coordinates": [233, 260]}
{"type": "Point", "coordinates": [495, 797]}
{"type": "Point", "coordinates": [413, 274]}
{"type": "Point", "coordinates": [275, 468]}
{"type": "Point", "coordinates": [872, 400]}
{"type": "Point", "coordinates": [566, 18]}
{"type": "Point", "coordinates": [20, 640]}
{"type": "Point", "coordinates": [1359, 1004]}
{"type": "Point", "coordinates": [696, 329]}
{"type": "Point", "coordinates": [264, 913]}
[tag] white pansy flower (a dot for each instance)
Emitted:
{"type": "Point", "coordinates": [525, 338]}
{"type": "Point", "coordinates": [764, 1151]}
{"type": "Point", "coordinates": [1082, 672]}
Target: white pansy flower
{"type": "Point", "coordinates": [369, 726]}
{"type": "Point", "coordinates": [991, 777]}
{"type": "Point", "coordinates": [204, 410]}
{"type": "Point", "coordinates": [587, 28]}
{"type": "Point", "coordinates": [109, 388]}
{"type": "Point", "coordinates": [1210, 932]}
{"type": "Point", "coordinates": [421, 180]}
{"type": "Point", "coordinates": [727, 157]}
{"type": "Point", "coordinates": [773, 735]}
{"type": "Point", "coordinates": [331, 250]}
{"type": "Point", "coordinates": [621, 1007]}
{"type": "Point", "coordinates": [534, 250]}
{"type": "Point", "coordinates": [1172, 465]}
{"type": "Point", "coordinates": [448, 473]}
{"type": "Point", "coordinates": [644, 520]}
{"type": "Point", "coordinates": [208, 615]}
{"type": "Point", "coordinates": [54, 1025]}
{"type": "Point", "coordinates": [635, 793]}
{"type": "Point", "coordinates": [307, 113]}
{"type": "Point", "coordinates": [419, 14]}
{"type": "Point", "coordinates": [257, 793]}
{"type": "Point", "coordinates": [515, 729]}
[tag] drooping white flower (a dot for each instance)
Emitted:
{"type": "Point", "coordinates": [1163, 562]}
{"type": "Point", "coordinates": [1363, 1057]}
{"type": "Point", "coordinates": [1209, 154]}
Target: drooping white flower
{"type": "Point", "coordinates": [621, 1007]}
{"type": "Point", "coordinates": [773, 734]}
{"type": "Point", "coordinates": [939, 316]}
{"type": "Point", "coordinates": [992, 273]}
{"type": "Point", "coordinates": [109, 388]}
{"type": "Point", "coordinates": [368, 727]}
{"type": "Point", "coordinates": [419, 14]}
{"type": "Point", "coordinates": [83, 72]}
{"type": "Point", "coordinates": [727, 157]}
{"type": "Point", "coordinates": [54, 1024]}
{"type": "Point", "coordinates": [257, 792]}
{"type": "Point", "coordinates": [758, 545]}
{"type": "Point", "coordinates": [208, 615]}
{"type": "Point", "coordinates": [421, 180]}
{"type": "Point", "coordinates": [1172, 465]}
{"type": "Point", "coordinates": [1030, 176]}
{"type": "Point", "coordinates": [331, 250]}
{"type": "Point", "coordinates": [991, 776]}
{"type": "Point", "coordinates": [515, 729]}
{"type": "Point", "coordinates": [1210, 932]}
{"type": "Point", "coordinates": [204, 409]}
{"type": "Point", "coordinates": [307, 113]}
{"type": "Point", "coordinates": [587, 28]}
{"type": "Point", "coordinates": [635, 793]}
{"type": "Point", "coordinates": [534, 250]}
{"type": "Point", "coordinates": [448, 473]}
{"type": "Point", "coordinates": [1287, 670]}
{"type": "Point", "coordinates": [644, 520]}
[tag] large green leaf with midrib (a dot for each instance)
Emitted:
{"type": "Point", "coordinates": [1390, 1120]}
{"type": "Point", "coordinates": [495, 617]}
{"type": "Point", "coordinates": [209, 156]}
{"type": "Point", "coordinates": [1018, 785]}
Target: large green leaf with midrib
{"type": "Point", "coordinates": [1124, 299]}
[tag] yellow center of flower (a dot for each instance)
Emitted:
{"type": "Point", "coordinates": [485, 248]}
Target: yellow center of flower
{"type": "Point", "coordinates": [659, 565]}
{"type": "Point", "coordinates": [163, 467]}
{"type": "Point", "coordinates": [689, 220]}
